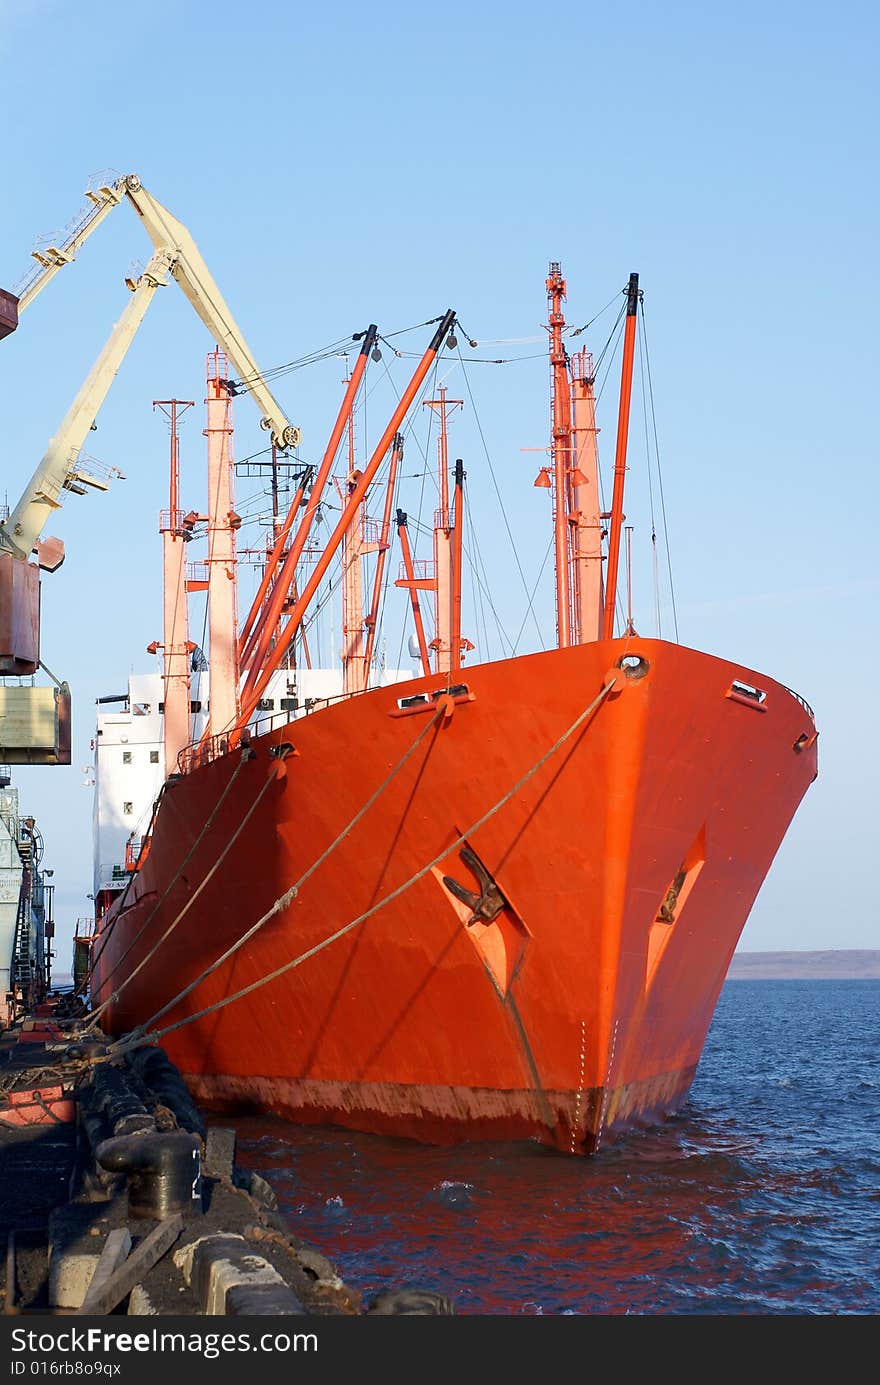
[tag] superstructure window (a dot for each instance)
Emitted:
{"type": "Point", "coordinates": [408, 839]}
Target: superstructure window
{"type": "Point", "coordinates": [154, 757]}
{"type": "Point", "coordinates": [126, 757]}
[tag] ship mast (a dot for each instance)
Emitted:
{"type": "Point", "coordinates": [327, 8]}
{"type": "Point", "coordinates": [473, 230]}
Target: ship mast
{"type": "Point", "coordinates": [573, 479]}
{"type": "Point", "coordinates": [380, 547]}
{"type": "Point", "coordinates": [353, 596]}
{"type": "Point", "coordinates": [414, 585]}
{"type": "Point", "coordinates": [175, 635]}
{"type": "Point", "coordinates": [352, 579]}
{"type": "Point", "coordinates": [617, 515]}
{"type": "Point", "coordinates": [445, 657]}
{"type": "Point", "coordinates": [560, 450]}
{"type": "Point", "coordinates": [586, 516]}
{"type": "Point", "coordinates": [222, 524]}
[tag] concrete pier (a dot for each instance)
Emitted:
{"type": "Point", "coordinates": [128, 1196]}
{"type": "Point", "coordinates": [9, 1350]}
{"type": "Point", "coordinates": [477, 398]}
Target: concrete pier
{"type": "Point", "coordinates": [117, 1196]}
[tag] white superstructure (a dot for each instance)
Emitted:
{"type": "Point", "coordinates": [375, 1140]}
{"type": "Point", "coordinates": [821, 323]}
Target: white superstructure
{"type": "Point", "coordinates": [128, 776]}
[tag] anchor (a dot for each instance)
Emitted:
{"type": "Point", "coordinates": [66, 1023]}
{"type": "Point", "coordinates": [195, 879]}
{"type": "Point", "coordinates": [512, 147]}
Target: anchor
{"type": "Point", "coordinates": [486, 905]}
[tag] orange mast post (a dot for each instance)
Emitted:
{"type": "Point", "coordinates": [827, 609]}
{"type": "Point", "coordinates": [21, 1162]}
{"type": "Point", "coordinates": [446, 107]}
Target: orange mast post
{"type": "Point", "coordinates": [265, 628]}
{"type": "Point", "coordinates": [175, 644]}
{"type": "Point", "coordinates": [617, 515]}
{"type": "Point", "coordinates": [561, 450]}
{"type": "Point", "coordinates": [586, 520]}
{"type": "Point", "coordinates": [251, 697]}
{"type": "Point", "coordinates": [352, 595]}
{"type": "Point", "coordinates": [414, 583]}
{"type": "Point", "coordinates": [381, 555]}
{"type": "Point", "coordinates": [222, 524]}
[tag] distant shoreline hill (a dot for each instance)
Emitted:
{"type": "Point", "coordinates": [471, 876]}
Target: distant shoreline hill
{"type": "Point", "coordinates": [844, 965]}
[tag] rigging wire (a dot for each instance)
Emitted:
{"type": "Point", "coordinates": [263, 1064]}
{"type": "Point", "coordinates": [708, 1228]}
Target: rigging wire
{"type": "Point", "coordinates": [547, 553]}
{"type": "Point", "coordinates": [577, 331]}
{"type": "Point", "coordinates": [479, 584]}
{"type": "Point", "coordinates": [616, 334]}
{"type": "Point", "coordinates": [430, 322]}
{"type": "Point", "coordinates": [613, 341]}
{"type": "Point", "coordinates": [335, 348]}
{"type": "Point", "coordinates": [322, 353]}
{"type": "Point", "coordinates": [428, 431]}
{"type": "Point", "coordinates": [656, 576]}
{"type": "Point", "coordinates": [477, 604]}
{"type": "Point", "coordinates": [411, 429]}
{"type": "Point", "coordinates": [660, 476]}
{"type": "Point", "coordinates": [407, 430]}
{"type": "Point", "coordinates": [477, 587]}
{"type": "Point", "coordinates": [274, 372]}
{"type": "Point", "coordinates": [486, 360]}
{"type": "Point", "coordinates": [500, 501]}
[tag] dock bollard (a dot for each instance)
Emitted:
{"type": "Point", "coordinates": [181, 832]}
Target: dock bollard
{"type": "Point", "coordinates": [163, 1170]}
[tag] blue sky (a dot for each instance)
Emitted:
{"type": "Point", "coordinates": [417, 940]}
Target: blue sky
{"type": "Point", "coordinates": [350, 164]}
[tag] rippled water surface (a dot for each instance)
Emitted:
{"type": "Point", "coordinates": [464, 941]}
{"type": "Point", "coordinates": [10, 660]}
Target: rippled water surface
{"type": "Point", "coordinates": [762, 1196]}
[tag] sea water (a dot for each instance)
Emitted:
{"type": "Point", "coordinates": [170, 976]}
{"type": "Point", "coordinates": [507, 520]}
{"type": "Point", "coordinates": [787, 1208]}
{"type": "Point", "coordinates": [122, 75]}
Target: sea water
{"type": "Point", "coordinates": [762, 1196]}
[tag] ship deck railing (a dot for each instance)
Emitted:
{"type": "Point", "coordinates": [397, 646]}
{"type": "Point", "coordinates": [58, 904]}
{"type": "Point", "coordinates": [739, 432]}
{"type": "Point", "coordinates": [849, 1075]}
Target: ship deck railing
{"type": "Point", "coordinates": [211, 748]}
{"type": "Point", "coordinates": [803, 702]}
{"type": "Point", "coordinates": [112, 875]}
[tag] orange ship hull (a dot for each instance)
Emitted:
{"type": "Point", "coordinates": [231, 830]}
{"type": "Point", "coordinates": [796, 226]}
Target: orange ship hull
{"type": "Point", "coordinates": [621, 872]}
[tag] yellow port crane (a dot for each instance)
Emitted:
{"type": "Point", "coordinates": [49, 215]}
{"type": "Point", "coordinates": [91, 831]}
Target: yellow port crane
{"type": "Point", "coordinates": [35, 722]}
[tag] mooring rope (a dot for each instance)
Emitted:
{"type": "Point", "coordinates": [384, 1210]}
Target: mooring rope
{"type": "Point", "coordinates": [105, 937]}
{"type": "Point", "coordinates": [96, 1014]}
{"type": "Point", "coordinates": [289, 895]}
{"type": "Point", "coordinates": [140, 1037]}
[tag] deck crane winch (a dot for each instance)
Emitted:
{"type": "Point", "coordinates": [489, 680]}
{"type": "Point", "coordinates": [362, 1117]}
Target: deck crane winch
{"type": "Point", "coordinates": [33, 725]}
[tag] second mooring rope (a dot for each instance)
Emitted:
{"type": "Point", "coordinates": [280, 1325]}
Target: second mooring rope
{"type": "Point", "coordinates": [206, 826]}
{"type": "Point", "coordinates": [95, 1016]}
{"type": "Point", "coordinates": [143, 1036]}
{"type": "Point", "coordinates": [289, 895]}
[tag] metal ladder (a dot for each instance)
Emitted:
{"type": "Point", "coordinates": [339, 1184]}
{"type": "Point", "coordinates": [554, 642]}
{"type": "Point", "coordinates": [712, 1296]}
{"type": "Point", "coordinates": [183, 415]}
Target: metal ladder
{"type": "Point", "coordinates": [22, 965]}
